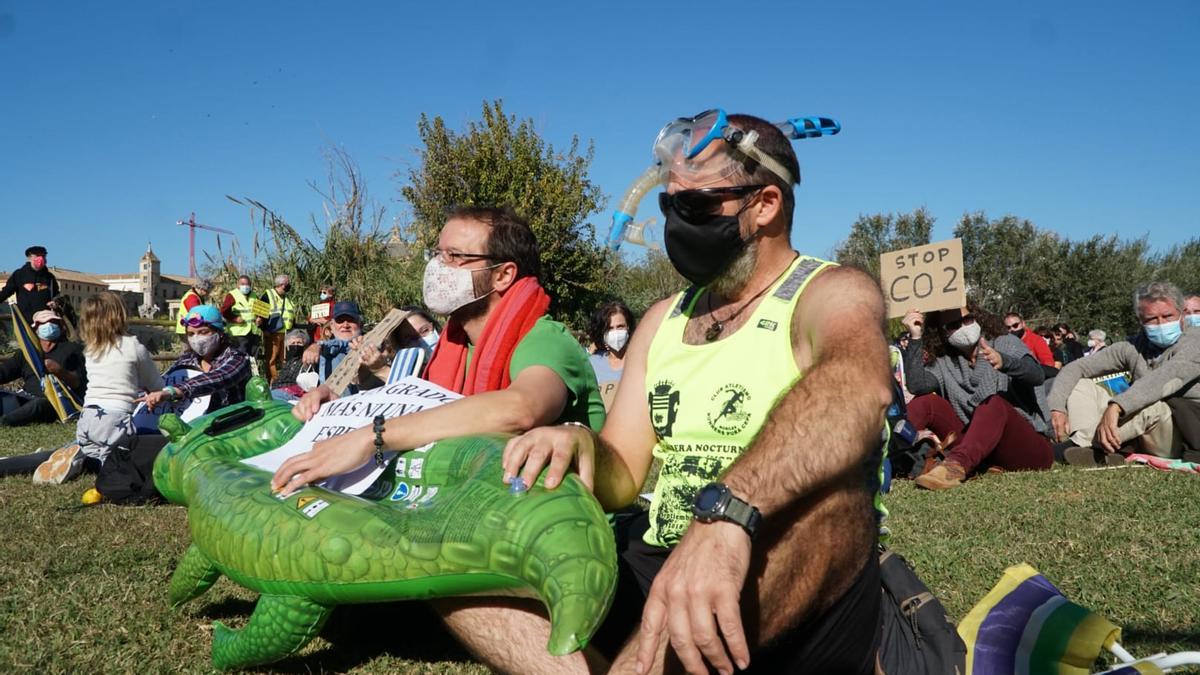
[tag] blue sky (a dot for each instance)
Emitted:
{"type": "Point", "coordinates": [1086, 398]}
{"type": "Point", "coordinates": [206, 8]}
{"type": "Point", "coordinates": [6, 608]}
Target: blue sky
{"type": "Point", "coordinates": [117, 119]}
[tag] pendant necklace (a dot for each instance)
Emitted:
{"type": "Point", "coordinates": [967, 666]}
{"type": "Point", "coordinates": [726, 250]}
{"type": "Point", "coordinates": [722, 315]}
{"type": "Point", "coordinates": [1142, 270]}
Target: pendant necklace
{"type": "Point", "coordinates": [718, 325]}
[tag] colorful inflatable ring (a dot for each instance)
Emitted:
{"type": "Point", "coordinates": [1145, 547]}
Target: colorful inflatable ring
{"type": "Point", "coordinates": [317, 548]}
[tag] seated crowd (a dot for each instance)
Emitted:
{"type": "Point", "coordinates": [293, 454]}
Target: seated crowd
{"type": "Point", "coordinates": [732, 384]}
{"type": "Point", "coordinates": [992, 398]}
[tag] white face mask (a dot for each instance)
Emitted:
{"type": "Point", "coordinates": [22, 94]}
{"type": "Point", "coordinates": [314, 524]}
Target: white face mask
{"type": "Point", "coordinates": [204, 345]}
{"type": "Point", "coordinates": [446, 289]}
{"type": "Point", "coordinates": [965, 337]}
{"type": "Point", "coordinates": [309, 380]}
{"type": "Point", "coordinates": [244, 289]}
{"type": "Point", "coordinates": [616, 339]}
{"type": "Point", "coordinates": [430, 339]}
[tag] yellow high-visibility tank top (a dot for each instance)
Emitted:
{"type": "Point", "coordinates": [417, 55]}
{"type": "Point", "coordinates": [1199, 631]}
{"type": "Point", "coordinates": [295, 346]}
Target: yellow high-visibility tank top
{"type": "Point", "coordinates": [707, 402]}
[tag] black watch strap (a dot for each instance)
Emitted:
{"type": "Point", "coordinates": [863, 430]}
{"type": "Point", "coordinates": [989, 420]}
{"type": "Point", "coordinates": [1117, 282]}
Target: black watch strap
{"type": "Point", "coordinates": [743, 514]}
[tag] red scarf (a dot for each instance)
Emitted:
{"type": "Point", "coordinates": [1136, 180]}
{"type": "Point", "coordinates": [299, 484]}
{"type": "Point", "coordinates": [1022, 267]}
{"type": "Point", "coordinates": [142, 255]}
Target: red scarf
{"type": "Point", "coordinates": [514, 316]}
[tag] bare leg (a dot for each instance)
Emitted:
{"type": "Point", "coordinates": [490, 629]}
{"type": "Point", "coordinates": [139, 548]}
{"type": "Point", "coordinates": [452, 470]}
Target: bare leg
{"type": "Point", "coordinates": [510, 636]}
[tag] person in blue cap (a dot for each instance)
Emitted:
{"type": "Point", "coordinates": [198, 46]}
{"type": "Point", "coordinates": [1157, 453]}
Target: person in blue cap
{"type": "Point", "coordinates": [224, 370]}
{"type": "Point", "coordinates": [346, 325]}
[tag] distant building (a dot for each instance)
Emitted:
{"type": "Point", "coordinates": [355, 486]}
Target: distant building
{"type": "Point", "coordinates": [148, 287]}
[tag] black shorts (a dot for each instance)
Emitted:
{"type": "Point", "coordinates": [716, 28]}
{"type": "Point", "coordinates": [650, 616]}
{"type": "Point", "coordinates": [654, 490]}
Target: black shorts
{"type": "Point", "coordinates": [843, 639]}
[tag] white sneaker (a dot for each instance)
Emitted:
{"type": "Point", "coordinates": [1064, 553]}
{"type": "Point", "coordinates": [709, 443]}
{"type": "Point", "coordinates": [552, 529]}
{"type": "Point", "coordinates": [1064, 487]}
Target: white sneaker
{"type": "Point", "coordinates": [64, 464]}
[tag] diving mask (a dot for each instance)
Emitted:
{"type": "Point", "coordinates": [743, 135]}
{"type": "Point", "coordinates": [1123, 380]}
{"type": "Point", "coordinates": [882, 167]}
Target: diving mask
{"type": "Point", "coordinates": [681, 143]}
{"type": "Point", "coordinates": [678, 148]}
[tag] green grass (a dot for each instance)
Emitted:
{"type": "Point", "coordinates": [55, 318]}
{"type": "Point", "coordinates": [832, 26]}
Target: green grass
{"type": "Point", "coordinates": [83, 589]}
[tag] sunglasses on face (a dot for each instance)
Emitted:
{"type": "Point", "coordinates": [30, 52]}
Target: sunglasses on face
{"type": "Point", "coordinates": [1012, 326]}
{"type": "Point", "coordinates": [702, 203]}
{"type": "Point", "coordinates": [954, 325]}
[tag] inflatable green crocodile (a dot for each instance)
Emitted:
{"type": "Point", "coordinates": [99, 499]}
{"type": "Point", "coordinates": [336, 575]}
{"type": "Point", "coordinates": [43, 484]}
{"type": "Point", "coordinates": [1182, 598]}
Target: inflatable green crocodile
{"type": "Point", "coordinates": [451, 527]}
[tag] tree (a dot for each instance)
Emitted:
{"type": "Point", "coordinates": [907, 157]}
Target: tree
{"type": "Point", "coordinates": [500, 161]}
{"type": "Point", "coordinates": [349, 251]}
{"type": "Point", "coordinates": [872, 236]}
{"type": "Point", "coordinates": [640, 283]}
{"type": "Point", "coordinates": [1012, 265]}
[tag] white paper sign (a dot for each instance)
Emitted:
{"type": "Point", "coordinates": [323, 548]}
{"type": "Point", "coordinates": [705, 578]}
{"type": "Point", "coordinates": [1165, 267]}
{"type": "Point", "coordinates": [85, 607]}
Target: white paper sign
{"type": "Point", "coordinates": [145, 420]}
{"type": "Point", "coordinates": [341, 415]}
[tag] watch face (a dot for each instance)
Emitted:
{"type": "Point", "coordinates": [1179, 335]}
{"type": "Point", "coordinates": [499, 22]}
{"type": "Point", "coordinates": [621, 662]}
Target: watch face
{"type": "Point", "coordinates": [708, 498]}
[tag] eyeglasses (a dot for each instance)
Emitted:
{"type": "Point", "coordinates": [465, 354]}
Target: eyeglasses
{"type": "Point", "coordinates": [954, 325]}
{"type": "Point", "coordinates": [702, 203]}
{"type": "Point", "coordinates": [454, 257]}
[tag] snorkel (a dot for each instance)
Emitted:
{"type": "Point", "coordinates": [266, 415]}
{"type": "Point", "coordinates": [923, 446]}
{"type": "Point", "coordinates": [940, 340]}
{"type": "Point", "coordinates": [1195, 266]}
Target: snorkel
{"type": "Point", "coordinates": [676, 142]}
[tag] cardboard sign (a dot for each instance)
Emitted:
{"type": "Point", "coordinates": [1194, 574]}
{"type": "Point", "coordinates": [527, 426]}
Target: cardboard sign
{"type": "Point", "coordinates": [260, 308]}
{"type": "Point", "coordinates": [926, 278]}
{"type": "Point", "coordinates": [344, 374]}
{"type": "Point", "coordinates": [348, 413]}
{"type": "Point", "coordinates": [319, 311]}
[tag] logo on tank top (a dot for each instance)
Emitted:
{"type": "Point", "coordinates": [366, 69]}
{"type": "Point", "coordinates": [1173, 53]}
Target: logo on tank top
{"type": "Point", "coordinates": [728, 415]}
{"type": "Point", "coordinates": [664, 405]}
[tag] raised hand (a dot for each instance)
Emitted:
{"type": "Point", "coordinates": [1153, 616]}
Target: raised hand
{"type": "Point", "coordinates": [991, 355]}
{"type": "Point", "coordinates": [914, 321]}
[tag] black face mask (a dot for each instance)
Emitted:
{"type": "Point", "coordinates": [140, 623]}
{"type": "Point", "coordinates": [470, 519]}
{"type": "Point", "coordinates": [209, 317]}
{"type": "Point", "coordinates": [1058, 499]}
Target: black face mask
{"type": "Point", "coordinates": [294, 351]}
{"type": "Point", "coordinates": [1019, 333]}
{"type": "Point", "coordinates": [702, 251]}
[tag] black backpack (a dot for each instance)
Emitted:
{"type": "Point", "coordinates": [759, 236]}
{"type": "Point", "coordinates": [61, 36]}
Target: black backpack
{"type": "Point", "coordinates": [127, 476]}
{"type": "Point", "coordinates": [916, 637]}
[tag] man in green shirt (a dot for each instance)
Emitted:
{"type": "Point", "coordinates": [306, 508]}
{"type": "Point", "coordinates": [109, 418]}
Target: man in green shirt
{"type": "Point", "coordinates": [486, 266]}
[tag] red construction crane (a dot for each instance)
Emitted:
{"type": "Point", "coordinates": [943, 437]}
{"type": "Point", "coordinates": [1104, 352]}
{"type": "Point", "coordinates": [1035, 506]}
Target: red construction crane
{"type": "Point", "coordinates": [191, 225]}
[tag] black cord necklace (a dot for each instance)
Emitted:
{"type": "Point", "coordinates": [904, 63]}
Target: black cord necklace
{"type": "Point", "coordinates": [718, 325]}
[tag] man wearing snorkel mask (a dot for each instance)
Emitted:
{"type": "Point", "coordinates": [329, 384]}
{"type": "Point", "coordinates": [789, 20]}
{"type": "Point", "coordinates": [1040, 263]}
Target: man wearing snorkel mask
{"type": "Point", "coordinates": [1160, 411]}
{"type": "Point", "coordinates": [762, 389]}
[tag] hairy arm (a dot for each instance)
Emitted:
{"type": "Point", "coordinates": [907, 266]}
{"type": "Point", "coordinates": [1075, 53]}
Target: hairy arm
{"type": "Point", "coordinates": [828, 423]}
{"type": "Point", "coordinates": [536, 397]}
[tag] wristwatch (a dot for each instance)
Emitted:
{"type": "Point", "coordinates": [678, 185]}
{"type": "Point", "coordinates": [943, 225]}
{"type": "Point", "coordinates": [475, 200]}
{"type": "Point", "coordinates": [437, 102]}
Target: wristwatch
{"type": "Point", "coordinates": [715, 502]}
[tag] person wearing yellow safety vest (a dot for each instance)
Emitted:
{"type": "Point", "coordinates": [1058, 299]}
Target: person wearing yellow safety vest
{"type": "Point", "coordinates": [196, 295]}
{"type": "Point", "coordinates": [238, 310]}
{"type": "Point", "coordinates": [762, 389]}
{"type": "Point", "coordinates": [283, 315]}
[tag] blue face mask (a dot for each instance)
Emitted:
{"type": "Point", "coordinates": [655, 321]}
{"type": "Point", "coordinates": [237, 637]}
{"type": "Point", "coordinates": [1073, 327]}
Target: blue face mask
{"type": "Point", "coordinates": [1164, 335]}
{"type": "Point", "coordinates": [49, 331]}
{"type": "Point", "coordinates": [1193, 320]}
{"type": "Point", "coordinates": [244, 289]}
{"type": "Point", "coordinates": [324, 296]}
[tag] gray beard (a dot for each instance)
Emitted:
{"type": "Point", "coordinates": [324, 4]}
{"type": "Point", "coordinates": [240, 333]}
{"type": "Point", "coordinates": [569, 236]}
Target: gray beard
{"type": "Point", "coordinates": [737, 275]}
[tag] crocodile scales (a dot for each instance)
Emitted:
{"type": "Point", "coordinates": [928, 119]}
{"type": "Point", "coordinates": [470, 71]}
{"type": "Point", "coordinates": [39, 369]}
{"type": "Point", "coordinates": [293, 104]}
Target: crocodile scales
{"type": "Point", "coordinates": [318, 548]}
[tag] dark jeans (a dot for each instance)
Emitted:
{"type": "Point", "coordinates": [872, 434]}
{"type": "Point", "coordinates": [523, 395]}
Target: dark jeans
{"type": "Point", "coordinates": [997, 436]}
{"type": "Point", "coordinates": [18, 410]}
{"type": "Point", "coordinates": [27, 464]}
